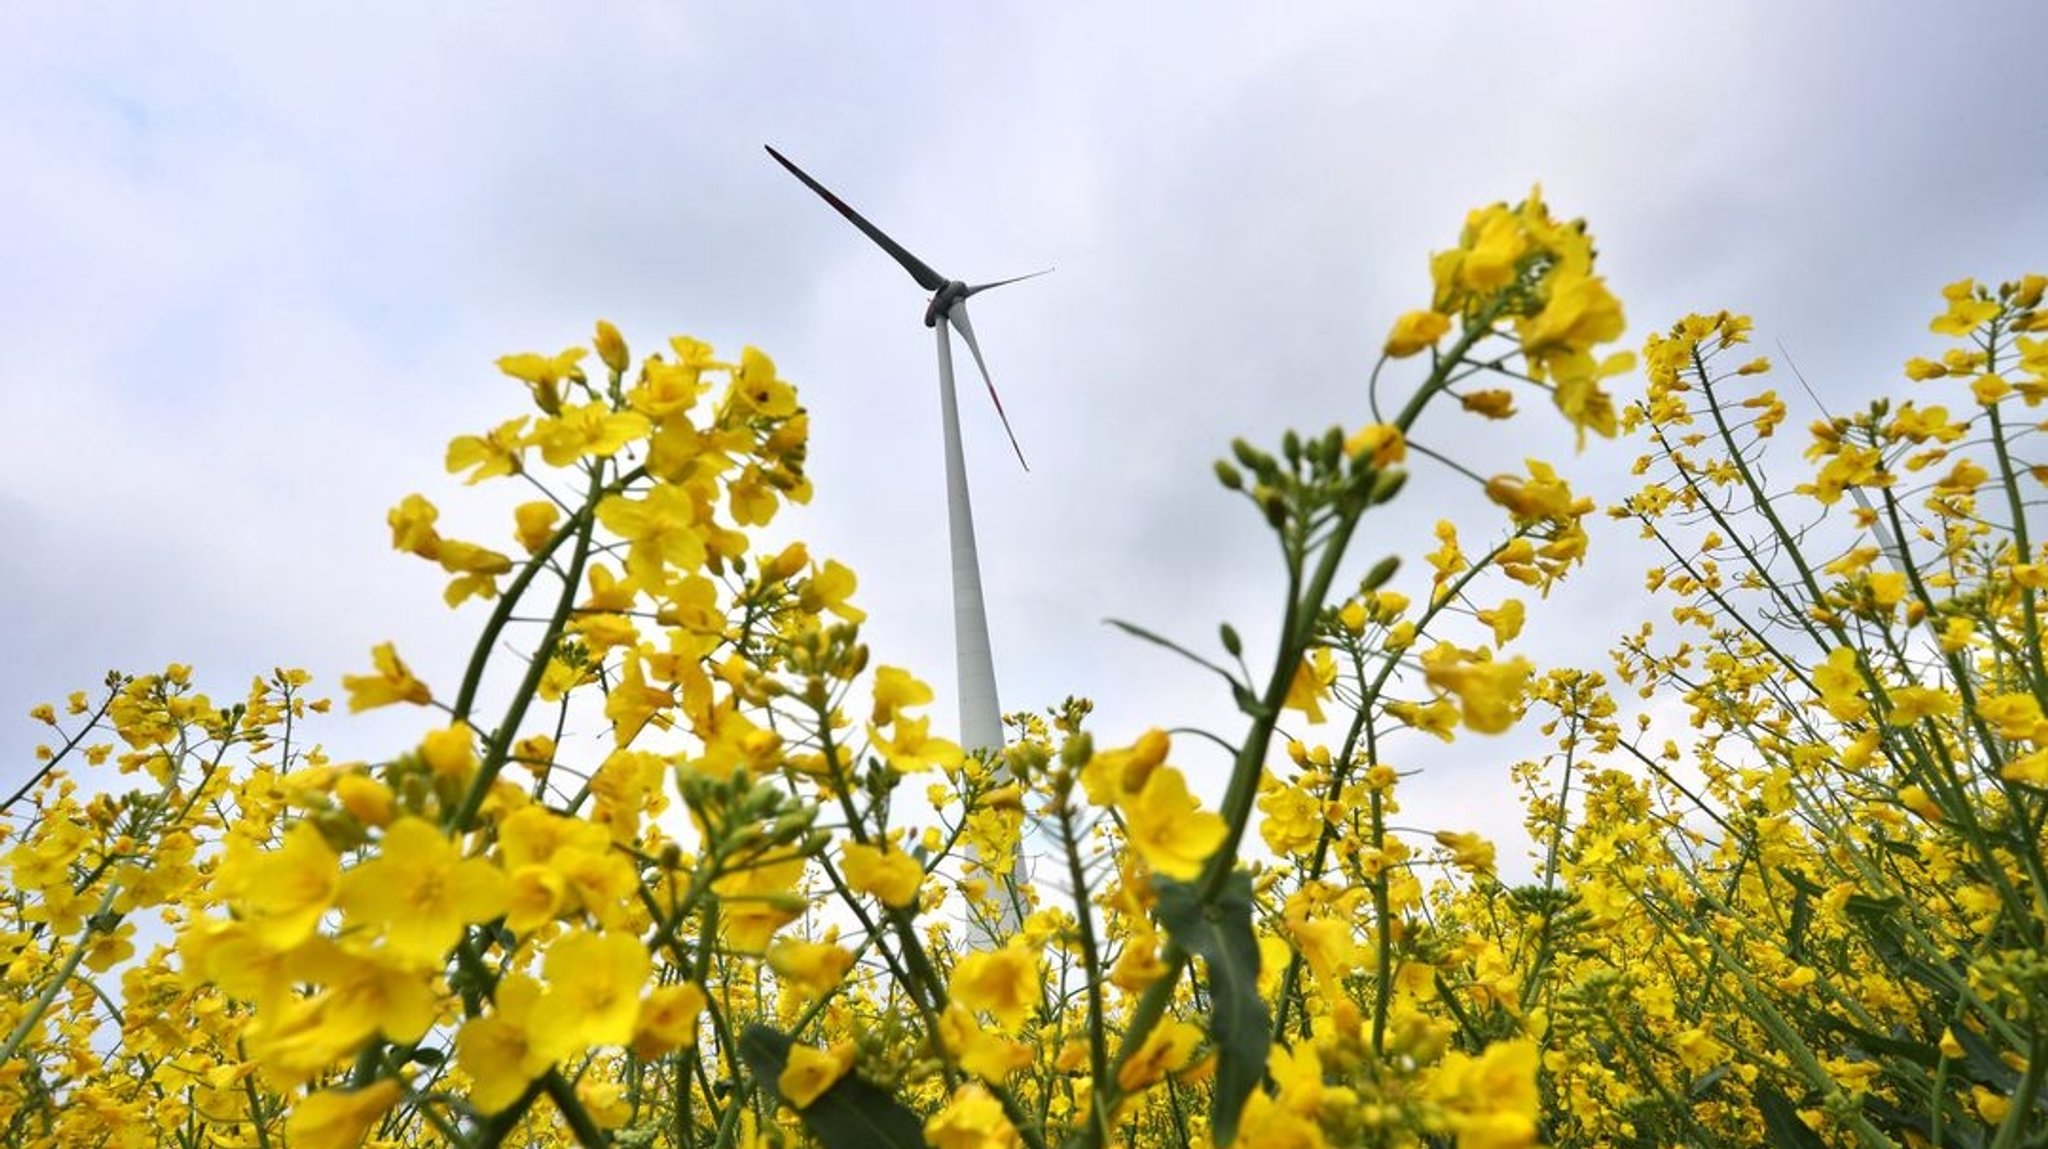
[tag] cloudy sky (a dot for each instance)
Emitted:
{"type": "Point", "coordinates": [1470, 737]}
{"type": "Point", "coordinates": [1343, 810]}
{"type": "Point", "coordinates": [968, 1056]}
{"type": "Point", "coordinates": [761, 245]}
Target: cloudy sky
{"type": "Point", "coordinates": [255, 264]}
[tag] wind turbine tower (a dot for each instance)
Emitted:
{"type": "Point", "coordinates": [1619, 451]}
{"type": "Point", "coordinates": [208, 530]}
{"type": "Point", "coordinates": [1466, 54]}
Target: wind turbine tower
{"type": "Point", "coordinates": [981, 719]}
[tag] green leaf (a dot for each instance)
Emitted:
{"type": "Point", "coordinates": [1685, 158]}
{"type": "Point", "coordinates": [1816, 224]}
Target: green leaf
{"type": "Point", "coordinates": [1220, 933]}
{"type": "Point", "coordinates": [1136, 631]}
{"type": "Point", "coordinates": [1782, 1121]}
{"type": "Point", "coordinates": [853, 1114]}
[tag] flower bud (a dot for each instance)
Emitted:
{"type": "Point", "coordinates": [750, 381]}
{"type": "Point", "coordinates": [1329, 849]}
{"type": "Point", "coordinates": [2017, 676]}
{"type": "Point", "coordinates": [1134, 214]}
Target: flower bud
{"type": "Point", "coordinates": [1231, 478]}
{"type": "Point", "coordinates": [611, 347]}
{"type": "Point", "coordinates": [1381, 572]}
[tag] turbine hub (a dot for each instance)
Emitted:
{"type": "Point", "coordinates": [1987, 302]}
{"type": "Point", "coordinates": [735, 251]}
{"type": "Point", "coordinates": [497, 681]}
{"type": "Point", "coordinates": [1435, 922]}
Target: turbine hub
{"type": "Point", "coordinates": [943, 300]}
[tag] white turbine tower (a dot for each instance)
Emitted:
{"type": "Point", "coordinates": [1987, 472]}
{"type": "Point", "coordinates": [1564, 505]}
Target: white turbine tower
{"type": "Point", "coordinates": [981, 717]}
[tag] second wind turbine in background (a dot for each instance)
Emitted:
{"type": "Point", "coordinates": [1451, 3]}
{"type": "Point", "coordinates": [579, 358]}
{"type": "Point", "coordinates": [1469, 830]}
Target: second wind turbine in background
{"type": "Point", "coordinates": [981, 719]}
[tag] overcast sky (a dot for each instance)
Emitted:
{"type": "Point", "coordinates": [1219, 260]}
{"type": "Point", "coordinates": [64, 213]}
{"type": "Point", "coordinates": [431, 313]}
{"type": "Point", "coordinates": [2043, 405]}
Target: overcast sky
{"type": "Point", "coordinates": [255, 265]}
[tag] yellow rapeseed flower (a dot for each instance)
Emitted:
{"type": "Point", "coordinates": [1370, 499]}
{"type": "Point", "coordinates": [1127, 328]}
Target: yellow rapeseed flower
{"type": "Point", "coordinates": [811, 1071]}
{"type": "Point", "coordinates": [1415, 331]}
{"type": "Point", "coordinates": [1003, 983]}
{"type": "Point", "coordinates": [885, 872]}
{"type": "Point", "coordinates": [393, 682]}
{"type": "Point", "coordinates": [282, 894]}
{"type": "Point", "coordinates": [340, 1118]}
{"type": "Point", "coordinates": [1168, 829]}
{"type": "Point", "coordinates": [972, 1119]}
{"type": "Point", "coordinates": [593, 989]}
{"type": "Point", "coordinates": [419, 891]}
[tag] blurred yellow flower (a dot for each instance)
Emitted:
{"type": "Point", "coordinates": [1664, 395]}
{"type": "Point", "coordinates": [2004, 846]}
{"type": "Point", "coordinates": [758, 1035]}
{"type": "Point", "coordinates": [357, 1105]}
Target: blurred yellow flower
{"type": "Point", "coordinates": [1415, 331]}
{"type": "Point", "coordinates": [393, 682]}
{"type": "Point", "coordinates": [1168, 829]}
{"type": "Point", "coordinates": [886, 872]}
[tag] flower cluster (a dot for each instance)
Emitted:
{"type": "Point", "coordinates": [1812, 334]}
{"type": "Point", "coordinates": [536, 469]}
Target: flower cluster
{"type": "Point", "coordinates": [653, 871]}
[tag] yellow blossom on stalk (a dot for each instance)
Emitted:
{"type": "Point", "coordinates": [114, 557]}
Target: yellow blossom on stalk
{"type": "Point", "coordinates": [611, 347]}
{"type": "Point", "coordinates": [544, 375]}
{"type": "Point", "coordinates": [593, 989]}
{"type": "Point", "coordinates": [1447, 560]}
{"type": "Point", "coordinates": [759, 899]}
{"type": "Point", "coordinates": [281, 894]}
{"type": "Point", "coordinates": [1494, 243]}
{"type": "Point", "coordinates": [1491, 403]}
{"type": "Point", "coordinates": [489, 455]}
{"type": "Point", "coordinates": [1111, 774]}
{"type": "Point", "coordinates": [412, 527]}
{"type": "Point", "coordinates": [755, 382]}
{"type": "Point", "coordinates": [1488, 691]}
{"type": "Point", "coordinates": [1919, 369]}
{"type": "Point", "coordinates": [828, 589]}
{"type": "Point", "coordinates": [534, 524]}
{"type": "Point", "coordinates": [587, 430]}
{"type": "Point", "coordinates": [1168, 829]}
{"type": "Point", "coordinates": [1293, 819]}
{"type": "Point", "coordinates": [1910, 704]}
{"type": "Point", "coordinates": [1313, 678]}
{"type": "Point", "coordinates": [1541, 497]}
{"type": "Point", "coordinates": [1003, 983]}
{"type": "Point", "coordinates": [1437, 718]}
{"type": "Point", "coordinates": [501, 1051]}
{"type": "Point", "coordinates": [340, 1118]}
{"type": "Point", "coordinates": [450, 752]}
{"type": "Point", "coordinates": [1988, 389]}
{"type": "Point", "coordinates": [972, 1119]}
{"type": "Point", "coordinates": [2015, 716]}
{"type": "Point", "coordinates": [1325, 943]}
{"type": "Point", "coordinates": [886, 872]}
{"type": "Point", "coordinates": [633, 703]}
{"type": "Point", "coordinates": [419, 891]}
{"type": "Point", "coordinates": [811, 1071]}
{"type": "Point", "coordinates": [1382, 444]}
{"type": "Point", "coordinates": [1578, 312]}
{"type": "Point", "coordinates": [668, 1020]}
{"type": "Point", "coordinates": [393, 682]}
{"type": "Point", "coordinates": [1966, 311]}
{"type": "Point", "coordinates": [534, 896]}
{"type": "Point", "coordinates": [666, 388]}
{"type": "Point", "coordinates": [1505, 619]}
{"type": "Point", "coordinates": [2031, 769]}
{"type": "Point", "coordinates": [1469, 852]}
{"type": "Point", "coordinates": [369, 801]}
{"type": "Point", "coordinates": [1840, 684]}
{"type": "Point", "coordinates": [1169, 1047]}
{"type": "Point", "coordinates": [1491, 1100]}
{"type": "Point", "coordinates": [664, 532]}
{"type": "Point", "coordinates": [365, 994]}
{"type": "Point", "coordinates": [812, 967]}
{"type": "Point", "coordinates": [911, 749]}
{"type": "Point", "coordinates": [1415, 331]}
{"type": "Point", "coordinates": [982, 1053]}
{"type": "Point", "coordinates": [1578, 396]}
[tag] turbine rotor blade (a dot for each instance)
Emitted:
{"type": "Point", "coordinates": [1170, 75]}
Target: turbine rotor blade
{"type": "Point", "coordinates": [958, 317]}
{"type": "Point", "coordinates": [1000, 282]}
{"type": "Point", "coordinates": [919, 270]}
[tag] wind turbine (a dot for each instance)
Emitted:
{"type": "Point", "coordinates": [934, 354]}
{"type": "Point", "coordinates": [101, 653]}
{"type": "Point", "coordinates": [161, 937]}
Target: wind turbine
{"type": "Point", "coordinates": [981, 719]}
